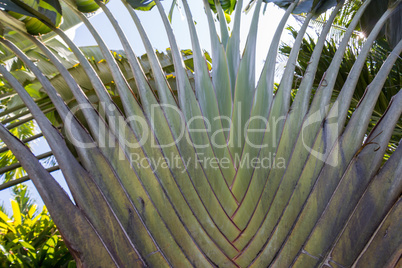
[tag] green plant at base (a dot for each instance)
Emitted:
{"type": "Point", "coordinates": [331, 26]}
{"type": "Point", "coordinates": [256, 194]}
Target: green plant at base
{"type": "Point", "coordinates": [30, 238]}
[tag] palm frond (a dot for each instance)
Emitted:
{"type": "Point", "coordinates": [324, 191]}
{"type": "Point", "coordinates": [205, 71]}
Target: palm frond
{"type": "Point", "coordinates": [218, 169]}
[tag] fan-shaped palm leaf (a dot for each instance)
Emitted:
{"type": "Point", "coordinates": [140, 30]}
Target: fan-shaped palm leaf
{"type": "Point", "coordinates": [286, 183]}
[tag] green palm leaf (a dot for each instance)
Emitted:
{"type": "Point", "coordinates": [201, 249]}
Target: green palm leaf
{"type": "Point", "coordinates": [160, 179]}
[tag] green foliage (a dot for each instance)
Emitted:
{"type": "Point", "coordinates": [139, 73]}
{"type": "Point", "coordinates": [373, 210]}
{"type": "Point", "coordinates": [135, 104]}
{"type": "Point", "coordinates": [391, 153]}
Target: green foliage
{"type": "Point", "coordinates": [29, 238]}
{"type": "Point", "coordinates": [7, 158]}
{"type": "Point", "coordinates": [40, 15]}
{"type": "Point", "coordinates": [392, 29]}
{"type": "Point", "coordinates": [143, 5]}
{"type": "Point", "coordinates": [14, 114]}
{"type": "Point", "coordinates": [375, 59]}
{"type": "Point", "coordinates": [306, 6]}
{"type": "Point", "coordinates": [32, 12]}
{"type": "Point", "coordinates": [227, 5]}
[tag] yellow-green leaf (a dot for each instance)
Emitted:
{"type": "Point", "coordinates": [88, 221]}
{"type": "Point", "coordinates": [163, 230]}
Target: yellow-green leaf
{"type": "Point", "coordinates": [16, 212]}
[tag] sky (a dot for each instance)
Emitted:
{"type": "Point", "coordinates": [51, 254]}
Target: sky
{"type": "Point", "coordinates": [154, 27]}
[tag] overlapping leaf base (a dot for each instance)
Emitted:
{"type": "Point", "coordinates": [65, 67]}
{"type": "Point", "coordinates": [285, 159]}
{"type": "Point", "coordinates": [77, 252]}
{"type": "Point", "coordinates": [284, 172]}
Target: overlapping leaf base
{"type": "Point", "coordinates": [227, 174]}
